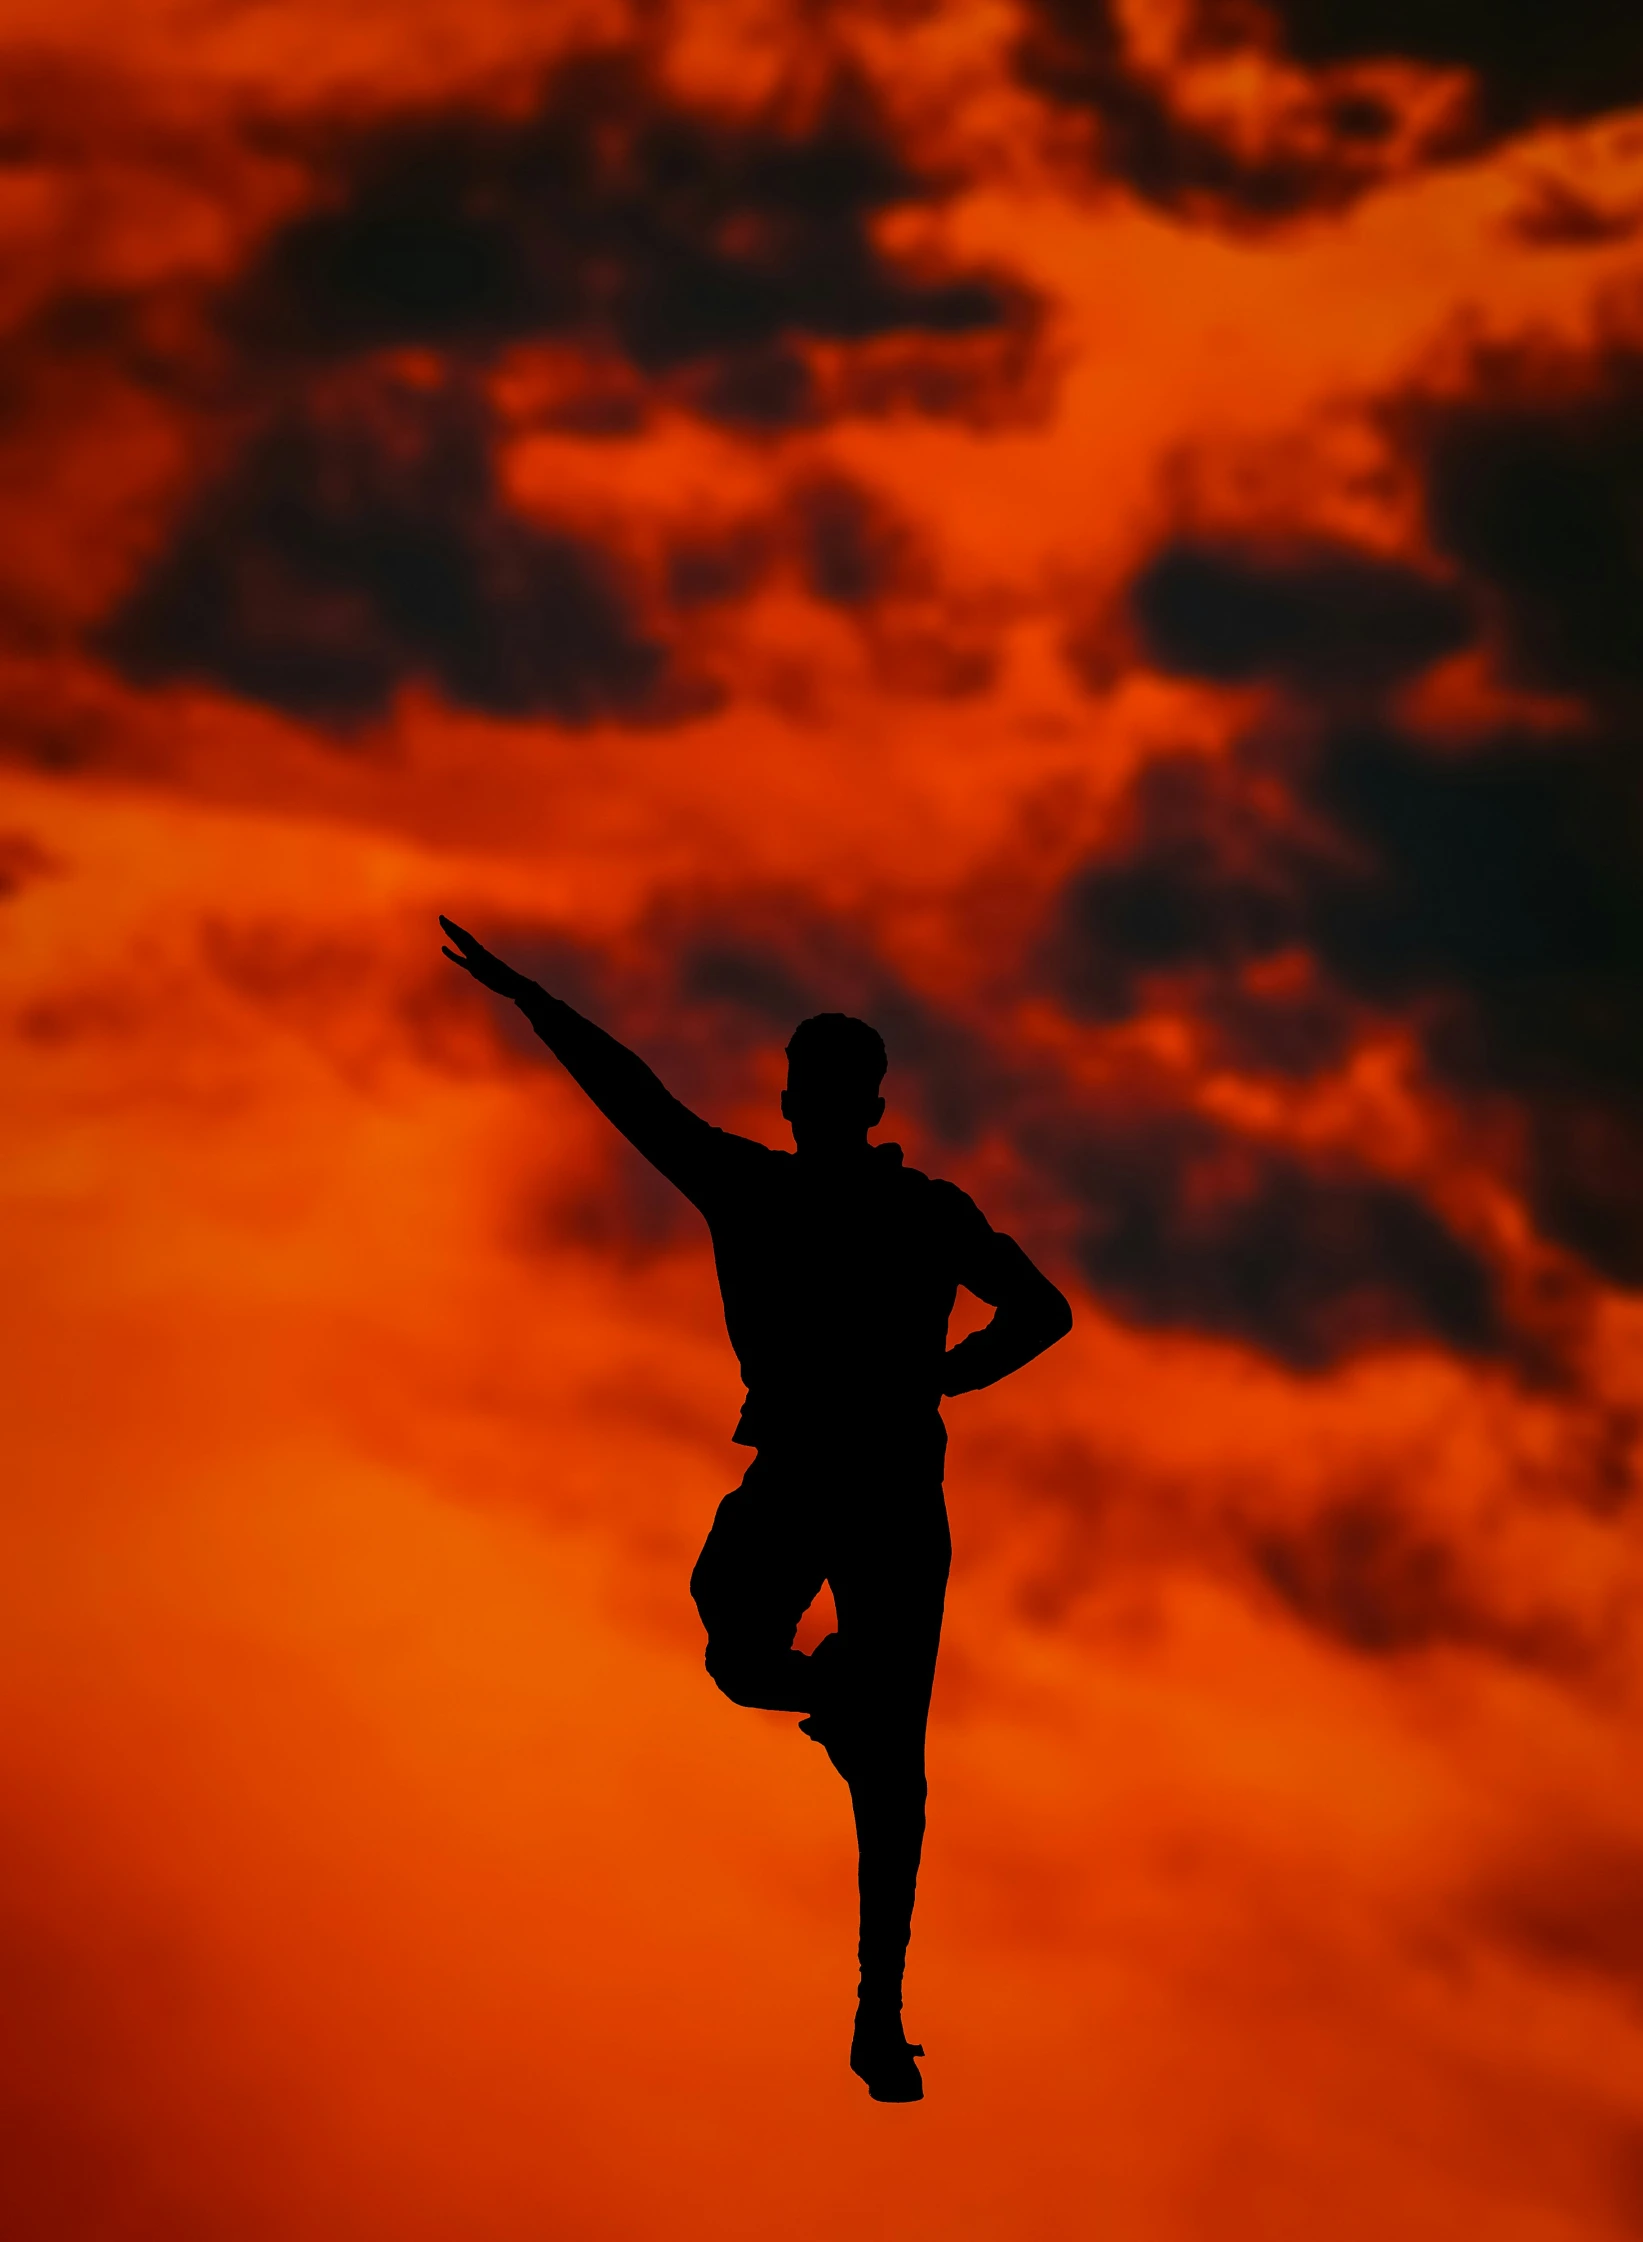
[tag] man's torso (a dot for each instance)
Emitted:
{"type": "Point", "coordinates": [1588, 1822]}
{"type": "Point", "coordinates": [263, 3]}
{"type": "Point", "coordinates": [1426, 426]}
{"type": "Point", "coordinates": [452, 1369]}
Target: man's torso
{"type": "Point", "coordinates": [837, 1285]}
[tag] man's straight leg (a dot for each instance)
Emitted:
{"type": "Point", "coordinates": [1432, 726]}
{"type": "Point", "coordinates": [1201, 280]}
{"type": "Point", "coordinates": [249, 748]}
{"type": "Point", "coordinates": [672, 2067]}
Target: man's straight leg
{"type": "Point", "coordinates": [890, 1555]}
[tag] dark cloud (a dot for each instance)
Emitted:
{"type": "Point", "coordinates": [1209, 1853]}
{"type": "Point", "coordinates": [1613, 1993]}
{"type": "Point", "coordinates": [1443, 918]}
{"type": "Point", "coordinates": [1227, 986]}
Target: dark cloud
{"type": "Point", "coordinates": [845, 545]}
{"type": "Point", "coordinates": [1554, 214]}
{"type": "Point", "coordinates": [360, 540]}
{"type": "Point", "coordinates": [1534, 482]}
{"type": "Point", "coordinates": [1572, 1902]}
{"type": "Point", "coordinates": [851, 547]}
{"type": "Point", "coordinates": [1488, 892]}
{"type": "Point", "coordinates": [1529, 64]}
{"type": "Point", "coordinates": [704, 249]}
{"type": "Point", "coordinates": [1509, 869]}
{"type": "Point", "coordinates": [724, 971]}
{"type": "Point", "coordinates": [1493, 897]}
{"type": "Point", "coordinates": [1334, 121]}
{"type": "Point", "coordinates": [707, 567]}
{"type": "Point", "coordinates": [1182, 1222]}
{"type": "Point", "coordinates": [1511, 905]}
{"type": "Point", "coordinates": [353, 534]}
{"type": "Point", "coordinates": [1323, 618]}
{"type": "Point", "coordinates": [1206, 870]}
{"type": "Point", "coordinates": [1320, 153]}
{"type": "Point", "coordinates": [1368, 1571]}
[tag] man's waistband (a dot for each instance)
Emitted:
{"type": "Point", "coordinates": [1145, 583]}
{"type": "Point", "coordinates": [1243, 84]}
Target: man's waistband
{"type": "Point", "coordinates": [847, 1424]}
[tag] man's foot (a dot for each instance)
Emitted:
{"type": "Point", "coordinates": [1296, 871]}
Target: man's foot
{"type": "Point", "coordinates": [882, 2056]}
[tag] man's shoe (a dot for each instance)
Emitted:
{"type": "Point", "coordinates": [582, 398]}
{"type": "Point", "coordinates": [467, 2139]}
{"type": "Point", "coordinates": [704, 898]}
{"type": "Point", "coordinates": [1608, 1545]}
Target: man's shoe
{"type": "Point", "coordinates": [882, 2057]}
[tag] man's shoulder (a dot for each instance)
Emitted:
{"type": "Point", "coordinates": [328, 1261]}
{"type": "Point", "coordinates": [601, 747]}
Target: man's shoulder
{"type": "Point", "coordinates": [944, 1201]}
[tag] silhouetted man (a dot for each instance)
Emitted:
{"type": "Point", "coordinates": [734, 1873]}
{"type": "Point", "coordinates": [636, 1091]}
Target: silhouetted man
{"type": "Point", "coordinates": [838, 1267]}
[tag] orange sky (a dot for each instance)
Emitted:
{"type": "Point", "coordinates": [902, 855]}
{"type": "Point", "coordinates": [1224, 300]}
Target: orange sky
{"type": "Point", "coordinates": [1115, 555]}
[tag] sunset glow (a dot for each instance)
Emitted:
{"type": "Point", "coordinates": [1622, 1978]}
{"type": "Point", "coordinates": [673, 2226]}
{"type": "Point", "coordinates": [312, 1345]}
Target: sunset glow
{"type": "Point", "coordinates": [1105, 536]}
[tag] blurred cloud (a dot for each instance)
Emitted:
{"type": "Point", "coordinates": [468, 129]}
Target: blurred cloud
{"type": "Point", "coordinates": [1182, 1222]}
{"type": "Point", "coordinates": [1557, 214]}
{"type": "Point", "coordinates": [1533, 474]}
{"type": "Point", "coordinates": [1325, 621]}
{"type": "Point", "coordinates": [706, 248]}
{"type": "Point", "coordinates": [1169, 132]}
{"type": "Point", "coordinates": [1482, 890]}
{"type": "Point", "coordinates": [360, 540]}
{"type": "Point", "coordinates": [1368, 1570]}
{"type": "Point", "coordinates": [315, 508]}
{"type": "Point", "coordinates": [1252, 115]}
{"type": "Point", "coordinates": [1526, 68]}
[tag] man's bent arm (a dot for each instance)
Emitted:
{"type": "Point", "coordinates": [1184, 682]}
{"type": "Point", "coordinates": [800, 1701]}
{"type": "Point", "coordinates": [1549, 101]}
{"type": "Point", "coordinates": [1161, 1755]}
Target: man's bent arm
{"type": "Point", "coordinates": [1030, 1315]}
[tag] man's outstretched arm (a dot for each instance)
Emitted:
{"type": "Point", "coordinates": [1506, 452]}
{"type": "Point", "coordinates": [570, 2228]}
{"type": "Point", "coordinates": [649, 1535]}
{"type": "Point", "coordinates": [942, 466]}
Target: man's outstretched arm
{"type": "Point", "coordinates": [670, 1136]}
{"type": "Point", "coordinates": [1030, 1312]}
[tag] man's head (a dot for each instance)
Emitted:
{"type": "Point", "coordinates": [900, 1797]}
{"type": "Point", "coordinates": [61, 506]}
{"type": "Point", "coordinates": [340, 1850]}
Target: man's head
{"type": "Point", "coordinates": [834, 1067]}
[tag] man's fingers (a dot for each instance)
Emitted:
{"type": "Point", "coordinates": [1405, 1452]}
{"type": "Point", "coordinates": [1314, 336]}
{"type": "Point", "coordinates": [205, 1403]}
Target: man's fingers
{"type": "Point", "coordinates": [489, 970]}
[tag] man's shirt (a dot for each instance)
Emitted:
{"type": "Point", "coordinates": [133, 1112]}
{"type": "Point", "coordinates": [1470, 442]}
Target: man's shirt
{"type": "Point", "coordinates": [838, 1280]}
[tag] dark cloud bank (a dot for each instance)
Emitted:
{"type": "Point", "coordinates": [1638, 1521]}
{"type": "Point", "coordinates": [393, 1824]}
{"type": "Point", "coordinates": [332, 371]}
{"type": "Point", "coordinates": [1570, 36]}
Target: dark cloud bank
{"type": "Point", "coordinates": [1339, 125]}
{"type": "Point", "coordinates": [691, 245]}
{"type": "Point", "coordinates": [1489, 892]}
{"type": "Point", "coordinates": [358, 535]}
{"type": "Point", "coordinates": [360, 539]}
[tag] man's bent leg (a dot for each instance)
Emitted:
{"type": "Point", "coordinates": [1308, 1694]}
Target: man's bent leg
{"type": "Point", "coordinates": [758, 1573]}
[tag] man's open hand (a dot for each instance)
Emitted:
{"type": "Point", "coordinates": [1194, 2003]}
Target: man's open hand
{"type": "Point", "coordinates": [483, 964]}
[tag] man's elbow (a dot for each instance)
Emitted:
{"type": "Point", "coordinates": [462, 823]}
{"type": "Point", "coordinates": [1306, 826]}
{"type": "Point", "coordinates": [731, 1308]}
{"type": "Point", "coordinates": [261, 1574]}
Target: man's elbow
{"type": "Point", "coordinates": [1058, 1315]}
{"type": "Point", "coordinates": [1045, 1317]}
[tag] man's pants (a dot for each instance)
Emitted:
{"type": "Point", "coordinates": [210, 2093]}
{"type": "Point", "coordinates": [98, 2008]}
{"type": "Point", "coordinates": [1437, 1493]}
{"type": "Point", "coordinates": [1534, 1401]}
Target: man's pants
{"type": "Point", "coordinates": [872, 1522]}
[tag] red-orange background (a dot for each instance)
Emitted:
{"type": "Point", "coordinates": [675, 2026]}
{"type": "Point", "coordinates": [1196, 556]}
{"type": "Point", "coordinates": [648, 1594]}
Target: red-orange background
{"type": "Point", "coordinates": [1110, 543]}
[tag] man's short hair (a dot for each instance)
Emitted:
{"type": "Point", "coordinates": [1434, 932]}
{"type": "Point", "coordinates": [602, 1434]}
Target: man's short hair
{"type": "Point", "coordinates": [834, 1046]}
